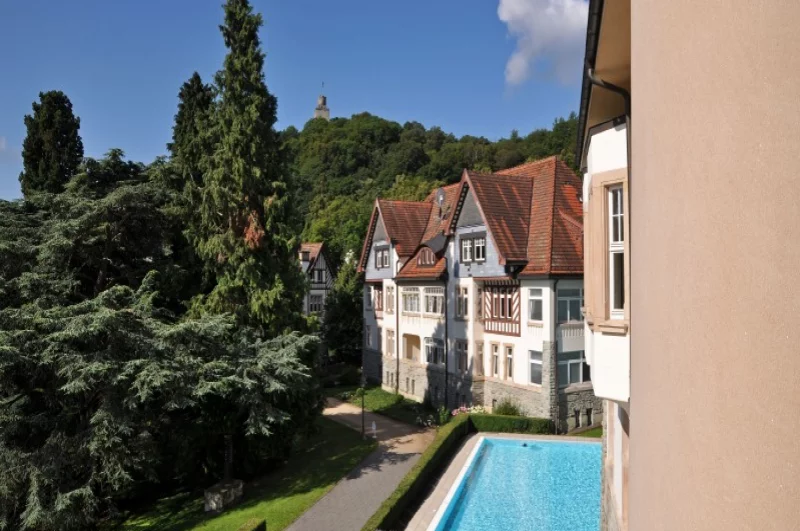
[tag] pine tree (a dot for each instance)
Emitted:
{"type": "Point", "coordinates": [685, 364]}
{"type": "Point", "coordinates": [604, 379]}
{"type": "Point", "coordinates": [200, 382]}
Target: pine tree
{"type": "Point", "coordinates": [52, 149]}
{"type": "Point", "coordinates": [245, 230]}
{"type": "Point", "coordinates": [191, 139]}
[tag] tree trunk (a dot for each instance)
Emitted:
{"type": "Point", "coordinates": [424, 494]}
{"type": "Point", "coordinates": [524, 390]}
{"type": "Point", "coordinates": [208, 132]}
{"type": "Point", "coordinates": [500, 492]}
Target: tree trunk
{"type": "Point", "coordinates": [228, 457]}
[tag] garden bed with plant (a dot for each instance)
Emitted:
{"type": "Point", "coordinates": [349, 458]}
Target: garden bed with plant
{"type": "Point", "coordinates": [392, 405]}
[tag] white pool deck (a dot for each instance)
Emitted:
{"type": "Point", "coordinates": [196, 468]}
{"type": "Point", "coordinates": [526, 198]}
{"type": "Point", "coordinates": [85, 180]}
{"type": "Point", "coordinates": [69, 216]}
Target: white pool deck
{"type": "Point", "coordinates": [427, 512]}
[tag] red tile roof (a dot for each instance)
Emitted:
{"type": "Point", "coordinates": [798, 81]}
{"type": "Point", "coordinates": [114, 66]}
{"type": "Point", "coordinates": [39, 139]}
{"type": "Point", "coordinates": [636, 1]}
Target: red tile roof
{"type": "Point", "coordinates": [313, 250]}
{"type": "Point", "coordinates": [532, 211]}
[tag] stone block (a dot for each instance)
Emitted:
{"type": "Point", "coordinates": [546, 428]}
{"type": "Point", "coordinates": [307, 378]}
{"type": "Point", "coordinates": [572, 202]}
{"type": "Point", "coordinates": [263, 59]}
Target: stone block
{"type": "Point", "coordinates": [223, 495]}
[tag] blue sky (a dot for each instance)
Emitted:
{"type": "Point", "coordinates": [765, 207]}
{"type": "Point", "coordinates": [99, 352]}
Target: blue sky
{"type": "Point", "coordinates": [479, 67]}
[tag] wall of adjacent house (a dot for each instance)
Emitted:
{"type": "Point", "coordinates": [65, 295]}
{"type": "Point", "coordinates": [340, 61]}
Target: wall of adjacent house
{"type": "Point", "coordinates": [715, 221]}
{"type": "Point", "coordinates": [380, 239]}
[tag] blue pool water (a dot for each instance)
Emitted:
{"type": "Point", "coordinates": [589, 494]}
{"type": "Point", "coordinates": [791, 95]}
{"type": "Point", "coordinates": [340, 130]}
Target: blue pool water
{"type": "Point", "coordinates": [546, 486]}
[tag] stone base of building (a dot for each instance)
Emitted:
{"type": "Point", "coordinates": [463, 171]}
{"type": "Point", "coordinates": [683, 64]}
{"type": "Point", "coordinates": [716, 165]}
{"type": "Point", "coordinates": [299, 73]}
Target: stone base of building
{"type": "Point", "coordinates": [569, 408]}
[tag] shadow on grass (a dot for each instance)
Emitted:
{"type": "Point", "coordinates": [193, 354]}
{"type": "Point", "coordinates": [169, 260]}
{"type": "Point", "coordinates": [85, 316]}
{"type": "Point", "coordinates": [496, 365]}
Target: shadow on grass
{"type": "Point", "coordinates": [280, 497]}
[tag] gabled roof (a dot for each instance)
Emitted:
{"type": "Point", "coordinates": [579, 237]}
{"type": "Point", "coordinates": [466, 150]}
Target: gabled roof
{"type": "Point", "coordinates": [405, 223]}
{"type": "Point", "coordinates": [313, 250]}
{"type": "Point", "coordinates": [533, 214]}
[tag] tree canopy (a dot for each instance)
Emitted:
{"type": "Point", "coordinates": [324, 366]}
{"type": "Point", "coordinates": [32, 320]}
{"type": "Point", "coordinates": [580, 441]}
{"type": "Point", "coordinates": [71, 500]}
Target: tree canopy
{"type": "Point", "coordinates": [52, 149]}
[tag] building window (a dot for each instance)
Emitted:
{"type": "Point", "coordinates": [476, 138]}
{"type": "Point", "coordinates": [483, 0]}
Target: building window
{"type": "Point", "coordinates": [535, 304]}
{"type": "Point", "coordinates": [495, 360]}
{"type": "Point", "coordinates": [368, 297]}
{"type": "Point", "coordinates": [502, 303]}
{"type": "Point", "coordinates": [462, 303]}
{"type": "Point", "coordinates": [480, 249]}
{"type": "Point", "coordinates": [426, 258]}
{"type": "Point", "coordinates": [411, 300]}
{"type": "Point", "coordinates": [434, 301]}
{"type": "Point", "coordinates": [434, 350]}
{"type": "Point", "coordinates": [389, 299]}
{"type": "Point", "coordinates": [569, 305]}
{"type": "Point", "coordinates": [305, 256]}
{"type": "Point", "coordinates": [462, 353]}
{"type": "Point", "coordinates": [315, 303]}
{"type": "Point", "coordinates": [473, 248]}
{"type": "Point", "coordinates": [368, 335]}
{"type": "Point", "coordinates": [380, 339]}
{"type": "Point", "coordinates": [413, 385]}
{"type": "Point", "coordinates": [381, 257]}
{"type": "Point", "coordinates": [318, 276]}
{"type": "Point", "coordinates": [588, 416]}
{"type": "Point", "coordinates": [406, 384]}
{"type": "Point", "coordinates": [479, 355]}
{"type": "Point", "coordinates": [509, 363]}
{"type": "Point", "coordinates": [573, 369]}
{"type": "Point", "coordinates": [466, 250]}
{"type": "Point", "coordinates": [390, 342]}
{"type": "Point", "coordinates": [479, 304]}
{"type": "Point", "coordinates": [377, 295]}
{"type": "Point", "coordinates": [536, 367]}
{"type": "Point", "coordinates": [616, 253]}
{"type": "Point", "coordinates": [577, 414]}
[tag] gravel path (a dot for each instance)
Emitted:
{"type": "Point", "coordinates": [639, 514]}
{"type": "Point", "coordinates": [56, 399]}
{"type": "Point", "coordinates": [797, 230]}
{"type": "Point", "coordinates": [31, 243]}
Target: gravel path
{"type": "Point", "coordinates": [348, 506]}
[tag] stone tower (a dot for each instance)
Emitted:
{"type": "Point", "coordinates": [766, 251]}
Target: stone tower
{"type": "Point", "coordinates": [321, 110]}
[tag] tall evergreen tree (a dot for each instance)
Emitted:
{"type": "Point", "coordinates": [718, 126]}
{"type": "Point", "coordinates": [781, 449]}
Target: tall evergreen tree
{"type": "Point", "coordinates": [245, 232]}
{"type": "Point", "coordinates": [191, 139]}
{"type": "Point", "coordinates": [52, 149]}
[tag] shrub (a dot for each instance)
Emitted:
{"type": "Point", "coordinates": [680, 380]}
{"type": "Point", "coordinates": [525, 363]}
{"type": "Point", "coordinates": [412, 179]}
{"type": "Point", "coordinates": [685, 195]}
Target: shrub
{"type": "Point", "coordinates": [430, 464]}
{"type": "Point", "coordinates": [507, 407]}
{"type": "Point", "coordinates": [511, 424]}
{"type": "Point", "coordinates": [254, 524]}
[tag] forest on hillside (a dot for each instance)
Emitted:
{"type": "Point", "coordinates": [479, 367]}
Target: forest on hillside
{"type": "Point", "coordinates": [340, 167]}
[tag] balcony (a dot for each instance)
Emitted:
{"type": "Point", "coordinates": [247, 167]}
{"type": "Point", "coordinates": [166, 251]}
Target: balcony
{"type": "Point", "coordinates": [609, 356]}
{"type": "Point", "coordinates": [570, 337]}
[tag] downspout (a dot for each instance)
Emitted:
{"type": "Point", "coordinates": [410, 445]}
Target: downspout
{"type": "Point", "coordinates": [610, 86]}
{"type": "Point", "coordinates": [446, 326]}
{"type": "Point", "coordinates": [554, 366]}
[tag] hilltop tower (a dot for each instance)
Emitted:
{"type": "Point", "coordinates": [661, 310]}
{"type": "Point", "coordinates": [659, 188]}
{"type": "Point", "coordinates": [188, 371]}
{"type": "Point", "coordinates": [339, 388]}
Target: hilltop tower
{"type": "Point", "coordinates": [321, 110]}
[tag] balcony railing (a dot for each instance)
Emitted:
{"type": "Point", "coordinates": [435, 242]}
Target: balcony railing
{"type": "Point", "coordinates": [570, 337]}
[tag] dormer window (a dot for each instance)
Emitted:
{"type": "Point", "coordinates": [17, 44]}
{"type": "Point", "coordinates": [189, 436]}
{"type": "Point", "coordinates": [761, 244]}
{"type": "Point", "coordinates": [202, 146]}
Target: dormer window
{"type": "Point", "coordinates": [426, 258]}
{"type": "Point", "coordinates": [473, 247]}
{"type": "Point", "coordinates": [381, 257]}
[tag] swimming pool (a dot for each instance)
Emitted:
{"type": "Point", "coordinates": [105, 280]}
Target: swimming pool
{"type": "Point", "coordinates": [525, 484]}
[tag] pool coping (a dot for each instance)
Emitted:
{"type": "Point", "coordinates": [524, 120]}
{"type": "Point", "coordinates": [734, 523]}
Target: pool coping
{"type": "Point", "coordinates": [432, 511]}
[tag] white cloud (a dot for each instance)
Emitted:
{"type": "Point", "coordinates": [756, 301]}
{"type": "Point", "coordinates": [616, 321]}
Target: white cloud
{"type": "Point", "coordinates": [551, 38]}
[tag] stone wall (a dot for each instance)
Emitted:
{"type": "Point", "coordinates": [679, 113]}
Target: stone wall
{"type": "Point", "coordinates": [426, 383]}
{"type": "Point", "coordinates": [581, 398]}
{"type": "Point", "coordinates": [529, 399]}
{"type": "Point", "coordinates": [372, 365]}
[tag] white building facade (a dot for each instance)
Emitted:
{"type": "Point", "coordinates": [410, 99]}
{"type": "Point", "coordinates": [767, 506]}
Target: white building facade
{"type": "Point", "coordinates": [314, 263]}
{"type": "Point", "coordinates": [485, 306]}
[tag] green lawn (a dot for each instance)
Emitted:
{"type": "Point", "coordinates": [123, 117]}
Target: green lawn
{"type": "Point", "coordinates": [594, 432]}
{"type": "Point", "coordinates": [280, 497]}
{"type": "Point", "coordinates": [379, 401]}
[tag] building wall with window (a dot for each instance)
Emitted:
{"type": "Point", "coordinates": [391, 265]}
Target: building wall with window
{"type": "Point", "coordinates": [489, 266]}
{"type": "Point", "coordinates": [376, 266]}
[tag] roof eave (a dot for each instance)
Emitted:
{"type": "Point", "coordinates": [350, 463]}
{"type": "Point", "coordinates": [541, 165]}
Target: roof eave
{"type": "Point", "coordinates": [590, 57]}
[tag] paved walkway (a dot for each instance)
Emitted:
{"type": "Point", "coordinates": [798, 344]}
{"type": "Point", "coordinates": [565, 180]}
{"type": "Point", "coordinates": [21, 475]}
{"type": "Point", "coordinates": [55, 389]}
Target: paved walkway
{"type": "Point", "coordinates": [349, 505]}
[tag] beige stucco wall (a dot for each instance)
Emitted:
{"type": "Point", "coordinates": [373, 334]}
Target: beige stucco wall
{"type": "Point", "coordinates": [715, 220]}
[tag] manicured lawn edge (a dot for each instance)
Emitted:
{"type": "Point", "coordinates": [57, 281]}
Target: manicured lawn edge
{"type": "Point", "coordinates": [437, 456]}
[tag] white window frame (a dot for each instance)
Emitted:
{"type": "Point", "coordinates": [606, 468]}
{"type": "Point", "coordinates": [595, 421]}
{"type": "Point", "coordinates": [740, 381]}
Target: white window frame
{"type": "Point", "coordinates": [566, 299]}
{"type": "Point", "coordinates": [509, 366]}
{"type": "Point", "coordinates": [462, 303]}
{"type": "Point", "coordinates": [466, 250]}
{"type": "Point", "coordinates": [390, 341]}
{"type": "Point", "coordinates": [479, 361]}
{"type": "Point", "coordinates": [479, 243]}
{"type": "Point", "coordinates": [316, 303]}
{"type": "Point", "coordinates": [534, 361]}
{"type": "Point", "coordinates": [434, 301]}
{"type": "Point", "coordinates": [434, 350]}
{"type": "Point", "coordinates": [572, 365]}
{"type": "Point", "coordinates": [462, 355]}
{"type": "Point", "coordinates": [410, 300]}
{"type": "Point", "coordinates": [495, 360]}
{"type": "Point", "coordinates": [616, 246]}
{"type": "Point", "coordinates": [535, 294]}
{"type": "Point", "coordinates": [389, 300]}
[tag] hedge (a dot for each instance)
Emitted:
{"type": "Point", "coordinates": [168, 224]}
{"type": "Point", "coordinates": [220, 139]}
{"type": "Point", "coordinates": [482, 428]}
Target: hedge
{"type": "Point", "coordinates": [508, 424]}
{"type": "Point", "coordinates": [431, 463]}
{"type": "Point", "coordinates": [254, 524]}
